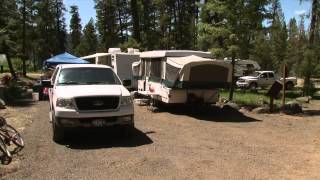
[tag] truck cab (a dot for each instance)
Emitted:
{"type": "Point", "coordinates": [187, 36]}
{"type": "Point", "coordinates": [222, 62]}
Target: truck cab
{"type": "Point", "coordinates": [263, 79]}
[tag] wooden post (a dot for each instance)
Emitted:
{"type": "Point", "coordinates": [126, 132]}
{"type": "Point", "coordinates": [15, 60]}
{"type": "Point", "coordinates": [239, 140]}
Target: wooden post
{"type": "Point", "coordinates": [284, 72]}
{"type": "Point", "coordinates": [271, 104]}
{"type": "Point", "coordinates": [232, 78]}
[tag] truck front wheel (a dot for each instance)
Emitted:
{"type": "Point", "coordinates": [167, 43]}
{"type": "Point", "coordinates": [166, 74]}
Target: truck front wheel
{"type": "Point", "coordinates": [57, 131]}
{"type": "Point", "coordinates": [289, 85]}
{"type": "Point", "coordinates": [253, 86]}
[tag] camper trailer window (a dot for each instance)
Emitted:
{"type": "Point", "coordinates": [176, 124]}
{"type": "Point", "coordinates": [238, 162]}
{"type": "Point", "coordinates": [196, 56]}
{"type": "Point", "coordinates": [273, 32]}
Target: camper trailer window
{"type": "Point", "coordinates": [142, 68]}
{"type": "Point", "coordinates": [147, 67]}
{"type": "Point", "coordinates": [155, 70]}
{"type": "Point", "coordinates": [171, 75]}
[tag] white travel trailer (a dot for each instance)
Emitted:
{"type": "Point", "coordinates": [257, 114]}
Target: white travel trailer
{"type": "Point", "coordinates": [244, 67]}
{"type": "Point", "coordinates": [181, 76]}
{"type": "Point", "coordinates": [119, 61]}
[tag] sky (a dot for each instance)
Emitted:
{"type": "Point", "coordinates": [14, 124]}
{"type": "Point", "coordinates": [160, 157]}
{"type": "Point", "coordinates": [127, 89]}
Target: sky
{"type": "Point", "coordinates": [291, 8]}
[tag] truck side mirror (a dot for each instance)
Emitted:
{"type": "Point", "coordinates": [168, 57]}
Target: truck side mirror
{"type": "Point", "coordinates": [126, 82]}
{"type": "Point", "coordinates": [46, 83]}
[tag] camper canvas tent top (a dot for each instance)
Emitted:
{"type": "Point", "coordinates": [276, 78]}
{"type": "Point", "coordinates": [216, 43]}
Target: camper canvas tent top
{"type": "Point", "coordinates": [181, 76]}
{"type": "Point", "coordinates": [119, 61]}
{"type": "Point", "coordinates": [64, 58]}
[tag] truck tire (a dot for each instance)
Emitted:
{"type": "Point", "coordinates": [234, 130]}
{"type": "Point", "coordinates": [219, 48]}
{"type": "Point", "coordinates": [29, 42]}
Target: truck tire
{"type": "Point", "coordinates": [289, 85]}
{"type": "Point", "coordinates": [253, 86]}
{"type": "Point", "coordinates": [57, 131]}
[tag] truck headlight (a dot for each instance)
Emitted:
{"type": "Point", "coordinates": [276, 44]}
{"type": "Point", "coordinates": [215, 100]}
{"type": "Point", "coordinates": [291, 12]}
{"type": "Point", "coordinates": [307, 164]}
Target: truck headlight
{"type": "Point", "coordinates": [65, 103]}
{"type": "Point", "coordinates": [126, 100]}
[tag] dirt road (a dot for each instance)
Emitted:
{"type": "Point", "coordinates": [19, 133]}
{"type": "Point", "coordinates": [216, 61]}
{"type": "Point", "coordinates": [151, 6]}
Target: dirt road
{"type": "Point", "coordinates": [178, 145]}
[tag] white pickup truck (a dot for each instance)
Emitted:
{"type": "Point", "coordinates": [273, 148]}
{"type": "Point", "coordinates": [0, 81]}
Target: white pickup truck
{"type": "Point", "coordinates": [263, 79]}
{"type": "Point", "coordinates": [88, 95]}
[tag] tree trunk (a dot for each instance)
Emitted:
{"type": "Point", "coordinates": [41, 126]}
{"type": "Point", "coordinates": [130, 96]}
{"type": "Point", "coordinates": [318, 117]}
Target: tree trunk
{"type": "Point", "coordinates": [24, 68]}
{"type": "Point", "coordinates": [6, 53]}
{"type": "Point", "coordinates": [11, 69]}
{"type": "Point", "coordinates": [135, 21]}
{"type": "Point", "coordinates": [314, 14]}
{"type": "Point", "coordinates": [232, 78]}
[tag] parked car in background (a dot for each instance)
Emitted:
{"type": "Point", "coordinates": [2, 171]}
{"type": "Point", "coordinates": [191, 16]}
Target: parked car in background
{"type": "Point", "coordinates": [263, 79]}
{"type": "Point", "coordinates": [88, 95]}
{"type": "Point", "coordinates": [243, 67]}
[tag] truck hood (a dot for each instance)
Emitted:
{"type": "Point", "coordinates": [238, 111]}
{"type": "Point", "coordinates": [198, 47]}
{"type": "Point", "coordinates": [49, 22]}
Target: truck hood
{"type": "Point", "coordinates": [248, 77]}
{"type": "Point", "coordinates": [70, 91]}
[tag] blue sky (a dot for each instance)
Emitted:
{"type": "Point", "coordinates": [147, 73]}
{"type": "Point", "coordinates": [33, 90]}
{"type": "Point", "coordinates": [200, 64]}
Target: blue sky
{"type": "Point", "coordinates": [291, 8]}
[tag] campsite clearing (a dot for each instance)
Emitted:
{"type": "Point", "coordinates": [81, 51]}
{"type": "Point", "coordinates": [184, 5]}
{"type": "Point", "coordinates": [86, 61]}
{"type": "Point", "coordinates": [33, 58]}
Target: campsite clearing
{"type": "Point", "coordinates": [175, 144]}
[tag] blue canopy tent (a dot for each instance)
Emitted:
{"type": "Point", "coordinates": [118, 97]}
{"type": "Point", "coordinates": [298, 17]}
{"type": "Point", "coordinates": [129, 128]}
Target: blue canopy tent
{"type": "Point", "coordinates": [64, 58]}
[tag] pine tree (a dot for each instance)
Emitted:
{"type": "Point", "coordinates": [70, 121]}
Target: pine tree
{"type": "Point", "coordinates": [24, 31]}
{"type": "Point", "coordinates": [293, 46]}
{"type": "Point", "coordinates": [107, 24]}
{"type": "Point", "coordinates": [75, 28]}
{"type": "Point", "coordinates": [149, 25]}
{"type": "Point", "coordinates": [261, 51]}
{"type": "Point", "coordinates": [50, 29]}
{"type": "Point", "coordinates": [58, 10]}
{"type": "Point", "coordinates": [310, 55]}
{"type": "Point", "coordinates": [213, 30]}
{"type": "Point", "coordinates": [89, 41]}
{"type": "Point", "coordinates": [278, 34]}
{"type": "Point", "coordinates": [220, 19]}
{"type": "Point", "coordinates": [135, 14]}
{"type": "Point", "coordinates": [8, 30]}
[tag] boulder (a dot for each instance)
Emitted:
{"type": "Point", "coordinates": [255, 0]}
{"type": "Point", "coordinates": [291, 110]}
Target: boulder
{"type": "Point", "coordinates": [292, 108]}
{"type": "Point", "coordinates": [305, 99]}
{"type": "Point", "coordinates": [2, 104]}
{"type": "Point", "coordinates": [261, 110]}
{"type": "Point", "coordinates": [231, 105]}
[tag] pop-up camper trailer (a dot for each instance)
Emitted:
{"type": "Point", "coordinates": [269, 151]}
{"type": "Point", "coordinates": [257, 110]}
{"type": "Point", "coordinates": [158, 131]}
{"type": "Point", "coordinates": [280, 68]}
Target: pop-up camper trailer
{"type": "Point", "coordinates": [180, 76]}
{"type": "Point", "coordinates": [119, 61]}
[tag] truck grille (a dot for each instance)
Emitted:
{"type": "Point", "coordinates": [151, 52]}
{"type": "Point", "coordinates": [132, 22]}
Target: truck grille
{"type": "Point", "coordinates": [97, 103]}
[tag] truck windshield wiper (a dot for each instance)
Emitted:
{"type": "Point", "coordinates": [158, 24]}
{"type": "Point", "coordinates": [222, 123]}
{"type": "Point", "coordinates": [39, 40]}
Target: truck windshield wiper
{"type": "Point", "coordinates": [96, 82]}
{"type": "Point", "coordinates": [69, 82]}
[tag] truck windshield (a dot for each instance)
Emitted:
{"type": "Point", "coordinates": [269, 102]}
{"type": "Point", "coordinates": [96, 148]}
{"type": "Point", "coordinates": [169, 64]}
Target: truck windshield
{"type": "Point", "coordinates": [256, 74]}
{"type": "Point", "coordinates": [81, 76]}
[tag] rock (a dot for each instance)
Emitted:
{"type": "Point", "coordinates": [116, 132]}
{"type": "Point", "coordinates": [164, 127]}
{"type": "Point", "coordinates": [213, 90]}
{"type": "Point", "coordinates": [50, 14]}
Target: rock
{"type": "Point", "coordinates": [2, 104]}
{"type": "Point", "coordinates": [304, 99]}
{"type": "Point", "coordinates": [261, 110]}
{"type": "Point", "coordinates": [262, 102]}
{"type": "Point", "coordinates": [223, 100]}
{"type": "Point", "coordinates": [292, 108]}
{"type": "Point", "coordinates": [231, 105]}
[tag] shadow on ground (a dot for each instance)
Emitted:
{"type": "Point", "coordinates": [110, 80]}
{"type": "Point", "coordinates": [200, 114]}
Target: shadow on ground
{"type": "Point", "coordinates": [212, 113]}
{"type": "Point", "coordinates": [107, 138]}
{"type": "Point", "coordinates": [311, 113]}
{"type": "Point", "coordinates": [22, 103]}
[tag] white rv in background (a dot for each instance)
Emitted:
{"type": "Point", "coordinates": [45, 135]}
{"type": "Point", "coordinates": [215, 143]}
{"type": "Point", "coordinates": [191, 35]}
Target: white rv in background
{"type": "Point", "coordinates": [181, 76]}
{"type": "Point", "coordinates": [244, 67]}
{"type": "Point", "coordinates": [120, 62]}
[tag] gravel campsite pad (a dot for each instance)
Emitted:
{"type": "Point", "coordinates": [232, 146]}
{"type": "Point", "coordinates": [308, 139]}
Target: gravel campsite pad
{"type": "Point", "coordinates": [178, 144]}
{"type": "Point", "coordinates": [19, 116]}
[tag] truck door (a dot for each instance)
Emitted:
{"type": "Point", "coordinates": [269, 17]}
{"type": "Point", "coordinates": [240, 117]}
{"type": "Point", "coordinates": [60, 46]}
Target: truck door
{"type": "Point", "coordinates": [271, 78]}
{"type": "Point", "coordinates": [263, 79]}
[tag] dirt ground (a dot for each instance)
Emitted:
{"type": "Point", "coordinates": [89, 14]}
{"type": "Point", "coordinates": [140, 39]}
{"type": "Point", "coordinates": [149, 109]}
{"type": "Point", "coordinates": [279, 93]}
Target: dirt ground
{"type": "Point", "coordinates": [174, 144]}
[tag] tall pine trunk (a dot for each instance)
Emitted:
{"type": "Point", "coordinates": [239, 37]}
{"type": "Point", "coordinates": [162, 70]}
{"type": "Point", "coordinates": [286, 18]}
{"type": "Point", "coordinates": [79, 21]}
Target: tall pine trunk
{"type": "Point", "coordinates": [314, 15]}
{"type": "Point", "coordinates": [24, 57]}
{"type": "Point", "coordinates": [135, 21]}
